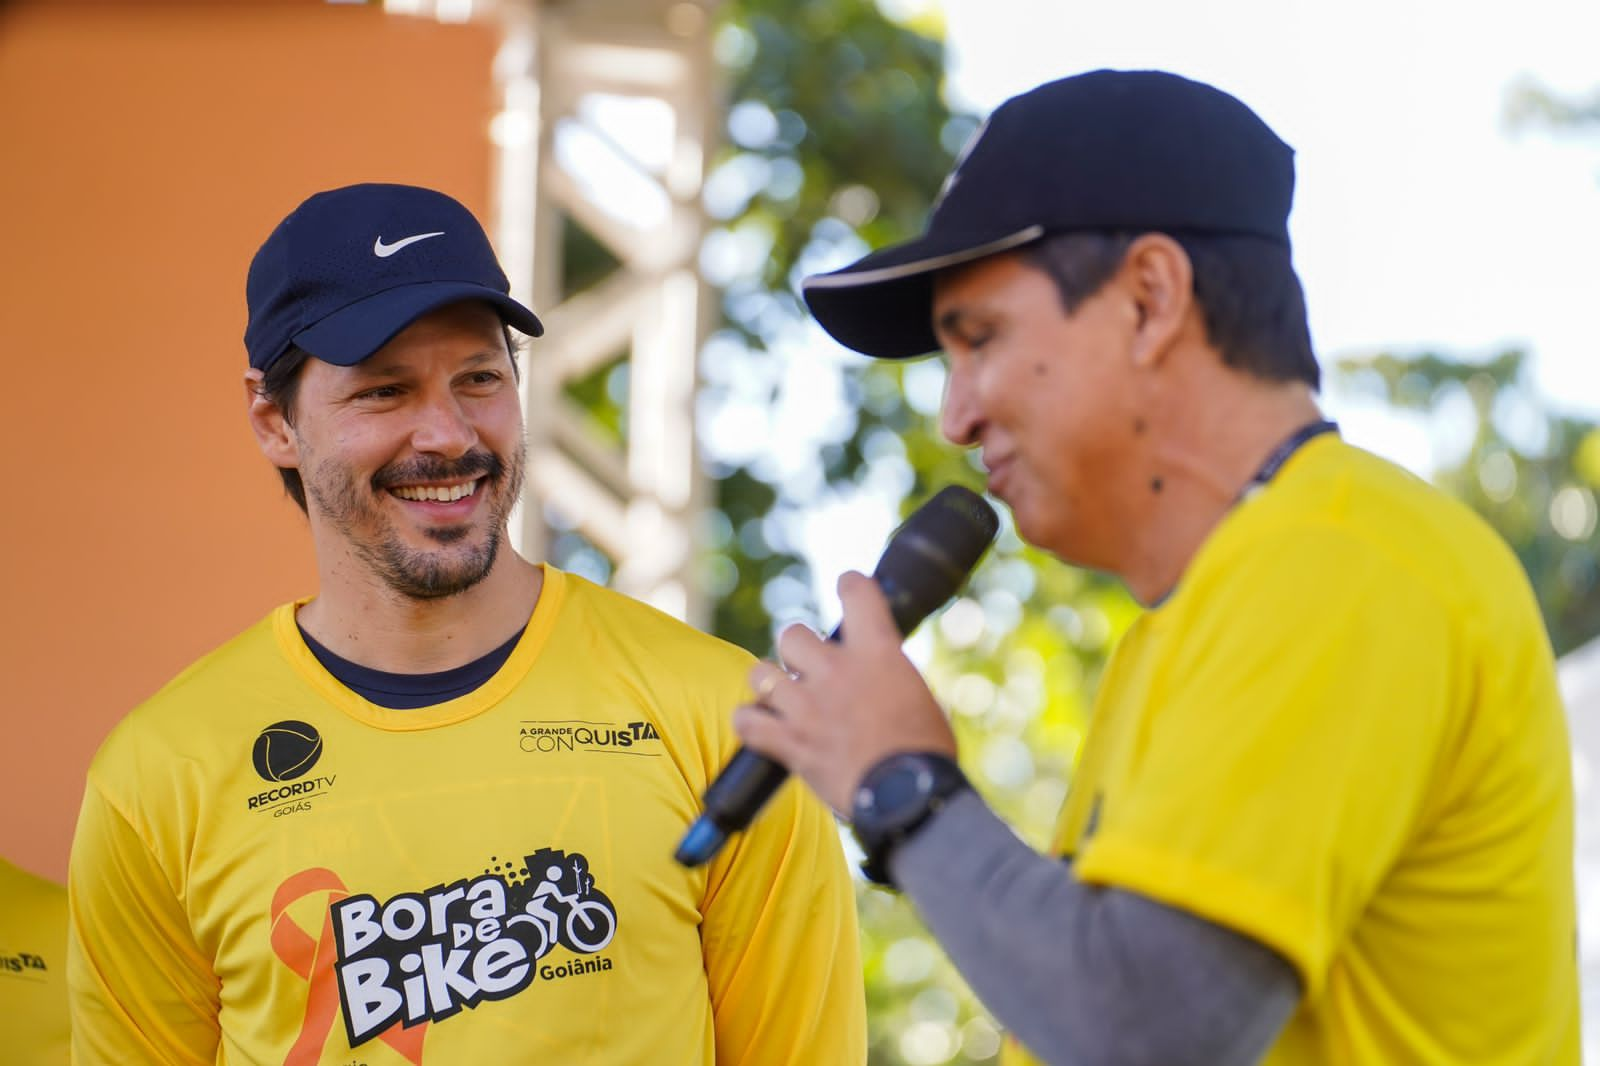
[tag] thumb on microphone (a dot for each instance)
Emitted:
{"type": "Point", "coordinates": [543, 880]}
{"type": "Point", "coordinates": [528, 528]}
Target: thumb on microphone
{"type": "Point", "coordinates": [847, 705]}
{"type": "Point", "coordinates": [866, 615]}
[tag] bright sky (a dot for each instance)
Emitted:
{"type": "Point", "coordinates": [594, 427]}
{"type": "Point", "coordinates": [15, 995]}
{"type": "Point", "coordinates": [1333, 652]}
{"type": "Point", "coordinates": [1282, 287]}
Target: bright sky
{"type": "Point", "coordinates": [1420, 220]}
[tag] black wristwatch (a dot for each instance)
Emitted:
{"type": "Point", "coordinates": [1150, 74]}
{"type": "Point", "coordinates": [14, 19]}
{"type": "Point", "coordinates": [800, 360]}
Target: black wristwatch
{"type": "Point", "coordinates": [895, 798]}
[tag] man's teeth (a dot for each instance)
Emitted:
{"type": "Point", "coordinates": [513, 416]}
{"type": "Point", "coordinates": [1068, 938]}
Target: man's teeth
{"type": "Point", "coordinates": [439, 493]}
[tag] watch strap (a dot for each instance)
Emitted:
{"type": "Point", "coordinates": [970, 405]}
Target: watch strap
{"type": "Point", "coordinates": [938, 778]}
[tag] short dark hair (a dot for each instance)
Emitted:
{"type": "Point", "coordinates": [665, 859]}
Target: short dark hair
{"type": "Point", "coordinates": [280, 385]}
{"type": "Point", "coordinates": [1249, 295]}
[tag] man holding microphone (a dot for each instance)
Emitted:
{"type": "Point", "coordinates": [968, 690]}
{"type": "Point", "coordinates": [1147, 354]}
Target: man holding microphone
{"type": "Point", "coordinates": [1324, 811]}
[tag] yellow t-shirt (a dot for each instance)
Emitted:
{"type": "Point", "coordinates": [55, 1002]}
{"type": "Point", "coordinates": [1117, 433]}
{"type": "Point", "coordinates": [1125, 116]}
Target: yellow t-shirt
{"type": "Point", "coordinates": [33, 981]}
{"type": "Point", "coordinates": [1342, 736]}
{"type": "Point", "coordinates": [269, 869]}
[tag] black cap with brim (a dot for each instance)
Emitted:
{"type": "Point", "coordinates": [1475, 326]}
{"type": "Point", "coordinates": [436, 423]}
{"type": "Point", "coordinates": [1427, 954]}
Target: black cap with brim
{"type": "Point", "coordinates": [349, 335]}
{"type": "Point", "coordinates": [883, 304]}
{"type": "Point", "coordinates": [351, 267]}
{"type": "Point", "coordinates": [1108, 150]}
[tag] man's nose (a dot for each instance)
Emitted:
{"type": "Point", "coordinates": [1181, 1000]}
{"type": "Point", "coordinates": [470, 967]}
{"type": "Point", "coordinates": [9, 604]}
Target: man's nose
{"type": "Point", "coordinates": [443, 426]}
{"type": "Point", "coordinates": [958, 416]}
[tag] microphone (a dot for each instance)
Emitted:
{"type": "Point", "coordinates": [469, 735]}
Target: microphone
{"type": "Point", "coordinates": [923, 564]}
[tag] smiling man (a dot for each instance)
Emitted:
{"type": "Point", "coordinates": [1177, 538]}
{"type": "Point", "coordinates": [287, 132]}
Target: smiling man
{"type": "Point", "coordinates": [425, 815]}
{"type": "Point", "coordinates": [1323, 812]}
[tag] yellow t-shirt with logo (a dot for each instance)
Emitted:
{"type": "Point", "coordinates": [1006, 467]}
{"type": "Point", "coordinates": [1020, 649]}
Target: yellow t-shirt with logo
{"type": "Point", "coordinates": [1342, 736]}
{"type": "Point", "coordinates": [33, 970]}
{"type": "Point", "coordinates": [269, 869]}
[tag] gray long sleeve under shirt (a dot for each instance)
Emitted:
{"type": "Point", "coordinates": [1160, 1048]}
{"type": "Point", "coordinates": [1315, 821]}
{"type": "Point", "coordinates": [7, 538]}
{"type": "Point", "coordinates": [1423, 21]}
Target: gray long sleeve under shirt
{"type": "Point", "coordinates": [1088, 976]}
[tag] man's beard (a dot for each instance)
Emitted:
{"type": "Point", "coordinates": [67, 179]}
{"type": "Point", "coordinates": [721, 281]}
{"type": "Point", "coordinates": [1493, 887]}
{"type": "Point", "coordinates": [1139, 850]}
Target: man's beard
{"type": "Point", "coordinates": [420, 573]}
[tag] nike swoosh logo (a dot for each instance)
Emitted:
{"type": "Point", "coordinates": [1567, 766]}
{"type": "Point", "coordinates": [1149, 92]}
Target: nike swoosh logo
{"type": "Point", "coordinates": [384, 251]}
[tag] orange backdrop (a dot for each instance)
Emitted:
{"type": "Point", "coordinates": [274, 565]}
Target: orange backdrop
{"type": "Point", "coordinates": [147, 150]}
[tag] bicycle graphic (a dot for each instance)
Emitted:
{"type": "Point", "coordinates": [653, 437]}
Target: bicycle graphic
{"type": "Point", "coordinates": [580, 918]}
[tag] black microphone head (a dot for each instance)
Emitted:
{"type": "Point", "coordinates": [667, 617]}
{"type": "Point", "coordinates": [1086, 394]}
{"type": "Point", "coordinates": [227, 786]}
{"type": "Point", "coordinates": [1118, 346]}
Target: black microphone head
{"type": "Point", "coordinates": [933, 551]}
{"type": "Point", "coordinates": [924, 563]}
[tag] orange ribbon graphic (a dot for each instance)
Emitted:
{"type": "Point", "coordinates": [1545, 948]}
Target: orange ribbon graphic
{"type": "Point", "coordinates": [313, 960]}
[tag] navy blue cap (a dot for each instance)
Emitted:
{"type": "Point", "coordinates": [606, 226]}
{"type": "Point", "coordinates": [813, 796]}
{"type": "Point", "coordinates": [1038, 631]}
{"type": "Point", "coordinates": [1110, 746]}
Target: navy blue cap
{"type": "Point", "coordinates": [352, 267]}
{"type": "Point", "coordinates": [1137, 150]}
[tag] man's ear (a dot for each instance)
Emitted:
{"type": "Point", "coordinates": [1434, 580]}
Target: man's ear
{"type": "Point", "coordinates": [1160, 278]}
{"type": "Point", "coordinates": [273, 433]}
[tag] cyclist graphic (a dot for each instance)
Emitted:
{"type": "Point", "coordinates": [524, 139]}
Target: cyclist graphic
{"type": "Point", "coordinates": [563, 907]}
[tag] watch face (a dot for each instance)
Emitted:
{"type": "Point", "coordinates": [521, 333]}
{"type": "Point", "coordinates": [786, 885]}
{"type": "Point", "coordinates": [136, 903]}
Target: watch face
{"type": "Point", "coordinates": [898, 795]}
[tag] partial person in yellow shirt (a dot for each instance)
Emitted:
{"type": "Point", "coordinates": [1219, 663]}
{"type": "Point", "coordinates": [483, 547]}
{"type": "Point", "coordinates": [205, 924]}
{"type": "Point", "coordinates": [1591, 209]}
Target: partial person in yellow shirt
{"type": "Point", "coordinates": [33, 968]}
{"type": "Point", "coordinates": [1323, 814]}
{"type": "Point", "coordinates": [427, 816]}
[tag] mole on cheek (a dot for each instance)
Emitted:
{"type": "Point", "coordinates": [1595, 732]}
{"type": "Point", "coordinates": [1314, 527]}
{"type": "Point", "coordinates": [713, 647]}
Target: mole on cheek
{"type": "Point", "coordinates": [1138, 427]}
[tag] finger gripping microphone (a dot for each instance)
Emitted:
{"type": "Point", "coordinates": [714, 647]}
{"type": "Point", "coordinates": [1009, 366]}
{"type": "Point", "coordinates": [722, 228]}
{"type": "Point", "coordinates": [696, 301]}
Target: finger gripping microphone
{"type": "Point", "coordinates": [922, 566]}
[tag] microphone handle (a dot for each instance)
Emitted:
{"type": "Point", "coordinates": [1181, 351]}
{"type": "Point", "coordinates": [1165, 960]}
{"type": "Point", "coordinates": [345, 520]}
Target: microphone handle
{"type": "Point", "coordinates": [742, 788]}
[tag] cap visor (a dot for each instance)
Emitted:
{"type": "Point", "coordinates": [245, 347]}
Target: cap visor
{"type": "Point", "coordinates": [882, 305]}
{"type": "Point", "coordinates": [354, 332]}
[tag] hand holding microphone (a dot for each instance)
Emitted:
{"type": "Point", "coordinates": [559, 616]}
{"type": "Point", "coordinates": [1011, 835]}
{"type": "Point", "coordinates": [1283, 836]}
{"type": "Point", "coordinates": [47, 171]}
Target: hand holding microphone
{"type": "Point", "coordinates": [855, 696]}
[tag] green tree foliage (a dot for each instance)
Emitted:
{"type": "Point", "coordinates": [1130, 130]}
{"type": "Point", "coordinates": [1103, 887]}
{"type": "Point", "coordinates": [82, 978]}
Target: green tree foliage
{"type": "Point", "coordinates": [1532, 471]}
{"type": "Point", "coordinates": [1530, 104]}
{"type": "Point", "coordinates": [837, 141]}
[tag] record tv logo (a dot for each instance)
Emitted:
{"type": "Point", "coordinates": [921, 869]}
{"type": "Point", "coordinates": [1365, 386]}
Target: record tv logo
{"type": "Point", "coordinates": [284, 754]}
{"type": "Point", "coordinates": [286, 750]}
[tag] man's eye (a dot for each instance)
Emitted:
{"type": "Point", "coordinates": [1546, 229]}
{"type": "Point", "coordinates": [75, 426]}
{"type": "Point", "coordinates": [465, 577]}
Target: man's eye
{"type": "Point", "coordinates": [382, 392]}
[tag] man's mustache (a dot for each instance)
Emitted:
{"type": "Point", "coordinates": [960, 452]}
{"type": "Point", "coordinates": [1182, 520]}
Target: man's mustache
{"type": "Point", "coordinates": [429, 468]}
